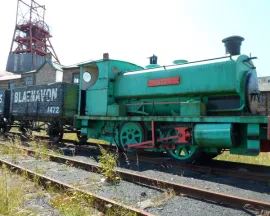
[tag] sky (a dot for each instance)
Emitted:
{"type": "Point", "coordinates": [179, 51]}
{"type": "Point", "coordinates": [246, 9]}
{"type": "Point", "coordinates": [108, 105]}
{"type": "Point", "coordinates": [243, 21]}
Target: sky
{"type": "Point", "coordinates": [134, 30]}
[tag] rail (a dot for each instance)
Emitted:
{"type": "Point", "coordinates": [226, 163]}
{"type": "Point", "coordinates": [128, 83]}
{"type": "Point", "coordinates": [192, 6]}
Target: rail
{"type": "Point", "coordinates": [99, 202]}
{"type": "Point", "coordinates": [234, 201]}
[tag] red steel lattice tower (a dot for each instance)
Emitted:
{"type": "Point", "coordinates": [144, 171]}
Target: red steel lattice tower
{"type": "Point", "coordinates": [31, 39]}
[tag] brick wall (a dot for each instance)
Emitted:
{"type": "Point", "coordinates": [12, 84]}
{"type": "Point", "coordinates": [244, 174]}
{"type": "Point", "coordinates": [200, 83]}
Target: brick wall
{"type": "Point", "coordinates": [68, 74]}
{"type": "Point", "coordinates": [4, 84]}
{"type": "Point", "coordinates": [264, 107]}
{"type": "Point", "coordinates": [45, 75]}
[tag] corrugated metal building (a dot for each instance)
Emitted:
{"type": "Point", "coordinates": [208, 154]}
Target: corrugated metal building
{"type": "Point", "coordinates": [21, 63]}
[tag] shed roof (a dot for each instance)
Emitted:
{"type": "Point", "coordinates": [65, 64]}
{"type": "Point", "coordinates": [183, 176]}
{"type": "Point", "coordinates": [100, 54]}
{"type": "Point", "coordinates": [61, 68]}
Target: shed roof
{"type": "Point", "coordinates": [4, 75]}
{"type": "Point", "coordinates": [77, 65]}
{"type": "Point", "coordinates": [57, 66]}
{"type": "Point", "coordinates": [32, 71]}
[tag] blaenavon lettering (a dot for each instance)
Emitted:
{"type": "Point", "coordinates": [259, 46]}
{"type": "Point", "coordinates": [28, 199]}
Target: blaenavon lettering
{"type": "Point", "coordinates": [41, 95]}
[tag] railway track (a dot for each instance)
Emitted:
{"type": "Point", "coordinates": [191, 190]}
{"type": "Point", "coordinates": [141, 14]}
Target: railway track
{"type": "Point", "coordinates": [219, 198]}
{"type": "Point", "coordinates": [100, 202]}
{"type": "Point", "coordinates": [232, 169]}
{"type": "Point", "coordinates": [224, 168]}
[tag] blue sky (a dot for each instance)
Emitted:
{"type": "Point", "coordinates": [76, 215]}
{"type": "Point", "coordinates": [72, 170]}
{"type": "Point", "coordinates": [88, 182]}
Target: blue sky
{"type": "Point", "coordinates": [134, 30]}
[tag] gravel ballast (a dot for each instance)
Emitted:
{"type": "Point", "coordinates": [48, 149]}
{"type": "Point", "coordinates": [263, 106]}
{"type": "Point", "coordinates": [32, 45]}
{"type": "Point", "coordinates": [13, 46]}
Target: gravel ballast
{"type": "Point", "coordinates": [223, 184]}
{"type": "Point", "coordinates": [126, 192]}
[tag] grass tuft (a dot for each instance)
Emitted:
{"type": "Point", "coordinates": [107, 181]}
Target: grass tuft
{"type": "Point", "coordinates": [73, 204]}
{"type": "Point", "coordinates": [11, 195]}
{"type": "Point", "coordinates": [162, 199]}
{"type": "Point", "coordinates": [262, 159]}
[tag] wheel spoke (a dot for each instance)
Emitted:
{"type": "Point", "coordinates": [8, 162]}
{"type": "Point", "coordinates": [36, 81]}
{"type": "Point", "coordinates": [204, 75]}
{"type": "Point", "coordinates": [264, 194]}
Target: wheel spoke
{"type": "Point", "coordinates": [178, 150]}
{"type": "Point", "coordinates": [185, 151]}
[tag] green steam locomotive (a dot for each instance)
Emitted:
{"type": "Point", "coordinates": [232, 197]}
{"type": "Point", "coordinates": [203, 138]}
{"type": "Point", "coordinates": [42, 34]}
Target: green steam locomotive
{"type": "Point", "coordinates": [191, 110]}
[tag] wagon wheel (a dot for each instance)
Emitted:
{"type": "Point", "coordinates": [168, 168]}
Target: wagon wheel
{"type": "Point", "coordinates": [24, 127]}
{"type": "Point", "coordinates": [2, 131]}
{"type": "Point", "coordinates": [3, 127]}
{"type": "Point", "coordinates": [8, 127]}
{"type": "Point", "coordinates": [183, 153]}
{"type": "Point", "coordinates": [56, 132]}
{"type": "Point", "coordinates": [26, 132]}
{"type": "Point", "coordinates": [10, 122]}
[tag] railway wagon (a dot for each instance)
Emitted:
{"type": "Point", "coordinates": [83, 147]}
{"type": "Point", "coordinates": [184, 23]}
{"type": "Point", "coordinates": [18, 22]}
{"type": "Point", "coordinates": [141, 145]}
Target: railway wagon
{"type": "Point", "coordinates": [4, 103]}
{"type": "Point", "coordinates": [53, 105]}
{"type": "Point", "coordinates": [4, 111]}
{"type": "Point", "coordinates": [191, 110]}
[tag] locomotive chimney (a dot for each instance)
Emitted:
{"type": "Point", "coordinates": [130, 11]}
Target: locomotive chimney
{"type": "Point", "coordinates": [153, 59]}
{"type": "Point", "coordinates": [233, 44]}
{"type": "Point", "coordinates": [105, 56]}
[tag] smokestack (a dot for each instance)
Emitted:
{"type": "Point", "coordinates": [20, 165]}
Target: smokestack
{"type": "Point", "coordinates": [105, 56]}
{"type": "Point", "coordinates": [153, 59]}
{"type": "Point", "coordinates": [233, 44]}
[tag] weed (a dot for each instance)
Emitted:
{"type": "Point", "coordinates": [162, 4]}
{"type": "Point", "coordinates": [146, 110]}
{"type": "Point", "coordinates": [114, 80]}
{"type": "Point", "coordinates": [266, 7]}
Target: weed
{"type": "Point", "coordinates": [163, 198]}
{"type": "Point", "coordinates": [5, 150]}
{"type": "Point", "coordinates": [73, 204]}
{"type": "Point", "coordinates": [108, 164]}
{"type": "Point", "coordinates": [11, 197]}
{"type": "Point", "coordinates": [69, 164]}
{"type": "Point", "coordinates": [67, 203]}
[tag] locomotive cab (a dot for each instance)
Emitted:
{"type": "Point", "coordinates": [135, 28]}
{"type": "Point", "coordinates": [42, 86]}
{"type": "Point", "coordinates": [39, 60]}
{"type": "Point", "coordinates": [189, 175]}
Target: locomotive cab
{"type": "Point", "coordinates": [97, 84]}
{"type": "Point", "coordinates": [89, 76]}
